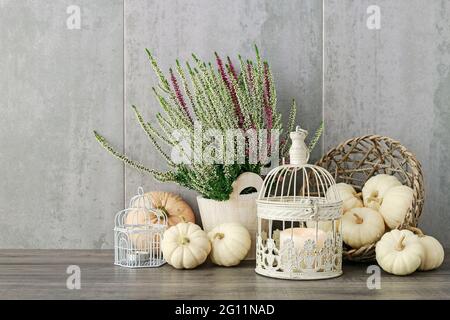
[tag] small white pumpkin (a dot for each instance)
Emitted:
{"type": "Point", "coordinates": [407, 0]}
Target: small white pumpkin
{"type": "Point", "coordinates": [361, 226]}
{"type": "Point", "coordinates": [376, 187]}
{"type": "Point", "coordinates": [230, 244]}
{"type": "Point", "coordinates": [185, 245]}
{"type": "Point", "coordinates": [399, 252]}
{"type": "Point", "coordinates": [433, 251]}
{"type": "Point", "coordinates": [349, 199]}
{"type": "Point", "coordinates": [348, 196]}
{"type": "Point", "coordinates": [395, 205]}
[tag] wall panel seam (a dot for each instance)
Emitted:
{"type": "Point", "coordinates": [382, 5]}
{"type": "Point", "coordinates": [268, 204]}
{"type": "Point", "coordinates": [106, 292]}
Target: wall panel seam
{"type": "Point", "coordinates": [124, 139]}
{"type": "Point", "coordinates": [323, 77]}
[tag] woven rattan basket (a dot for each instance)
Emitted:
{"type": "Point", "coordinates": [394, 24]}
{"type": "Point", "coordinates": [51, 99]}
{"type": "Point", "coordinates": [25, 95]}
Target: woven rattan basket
{"type": "Point", "coordinates": [356, 160]}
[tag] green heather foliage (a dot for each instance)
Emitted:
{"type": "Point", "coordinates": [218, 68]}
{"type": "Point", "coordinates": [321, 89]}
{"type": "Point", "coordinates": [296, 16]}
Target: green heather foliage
{"type": "Point", "coordinates": [219, 96]}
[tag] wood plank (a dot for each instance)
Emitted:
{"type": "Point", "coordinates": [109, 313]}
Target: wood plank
{"type": "Point", "coordinates": [41, 274]}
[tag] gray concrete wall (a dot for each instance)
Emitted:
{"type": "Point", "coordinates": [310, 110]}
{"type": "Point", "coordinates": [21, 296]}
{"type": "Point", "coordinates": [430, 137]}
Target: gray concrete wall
{"type": "Point", "coordinates": [394, 81]}
{"type": "Point", "coordinates": [57, 188]}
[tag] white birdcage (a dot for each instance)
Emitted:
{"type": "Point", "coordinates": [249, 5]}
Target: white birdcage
{"type": "Point", "coordinates": [299, 211]}
{"type": "Point", "coordinates": [138, 233]}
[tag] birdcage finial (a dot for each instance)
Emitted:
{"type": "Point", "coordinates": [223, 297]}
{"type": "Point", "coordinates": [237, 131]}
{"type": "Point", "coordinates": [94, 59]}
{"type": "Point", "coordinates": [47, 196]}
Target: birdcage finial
{"type": "Point", "coordinates": [299, 152]}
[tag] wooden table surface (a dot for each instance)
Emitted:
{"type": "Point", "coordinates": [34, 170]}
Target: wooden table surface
{"type": "Point", "coordinates": [41, 274]}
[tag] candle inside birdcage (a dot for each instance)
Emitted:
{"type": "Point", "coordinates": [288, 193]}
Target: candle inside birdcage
{"type": "Point", "coordinates": [299, 212]}
{"type": "Point", "coordinates": [138, 233]}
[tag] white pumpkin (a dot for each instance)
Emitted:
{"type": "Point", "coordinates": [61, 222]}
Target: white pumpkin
{"type": "Point", "coordinates": [376, 187]}
{"type": "Point", "coordinates": [361, 226]}
{"type": "Point", "coordinates": [348, 196]}
{"type": "Point", "coordinates": [396, 202]}
{"type": "Point", "coordinates": [349, 199]}
{"type": "Point", "coordinates": [433, 251]}
{"type": "Point", "coordinates": [230, 244]}
{"type": "Point", "coordinates": [399, 252]}
{"type": "Point", "coordinates": [185, 245]}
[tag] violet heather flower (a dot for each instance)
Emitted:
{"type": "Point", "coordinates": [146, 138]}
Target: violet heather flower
{"type": "Point", "coordinates": [179, 94]}
{"type": "Point", "coordinates": [267, 107]}
{"type": "Point", "coordinates": [232, 69]}
{"type": "Point", "coordinates": [237, 108]}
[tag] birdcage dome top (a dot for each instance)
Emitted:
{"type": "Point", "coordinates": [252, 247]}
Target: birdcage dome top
{"type": "Point", "coordinates": [299, 191]}
{"type": "Point", "coordinates": [140, 214]}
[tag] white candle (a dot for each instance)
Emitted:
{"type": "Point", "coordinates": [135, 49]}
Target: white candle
{"type": "Point", "coordinates": [301, 235]}
{"type": "Point", "coordinates": [138, 257]}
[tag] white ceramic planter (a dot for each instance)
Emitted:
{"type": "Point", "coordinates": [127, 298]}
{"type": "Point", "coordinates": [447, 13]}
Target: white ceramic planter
{"type": "Point", "coordinates": [239, 208]}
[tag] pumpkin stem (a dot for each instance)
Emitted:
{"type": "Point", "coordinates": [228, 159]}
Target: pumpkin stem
{"type": "Point", "coordinates": [182, 218]}
{"type": "Point", "coordinates": [417, 231]}
{"type": "Point", "coordinates": [373, 196]}
{"type": "Point", "coordinates": [162, 215]}
{"type": "Point", "coordinates": [400, 246]}
{"type": "Point", "coordinates": [358, 218]}
{"type": "Point", "coordinates": [184, 240]}
{"type": "Point", "coordinates": [163, 209]}
{"type": "Point", "coordinates": [373, 199]}
{"type": "Point", "coordinates": [219, 235]}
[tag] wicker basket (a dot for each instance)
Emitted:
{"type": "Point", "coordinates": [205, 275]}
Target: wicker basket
{"type": "Point", "coordinates": [356, 160]}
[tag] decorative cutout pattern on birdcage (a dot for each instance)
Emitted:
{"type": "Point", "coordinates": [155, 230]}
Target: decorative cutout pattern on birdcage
{"type": "Point", "coordinates": [310, 258]}
{"type": "Point", "coordinates": [309, 262]}
{"type": "Point", "coordinates": [138, 233]}
{"type": "Point", "coordinates": [299, 211]}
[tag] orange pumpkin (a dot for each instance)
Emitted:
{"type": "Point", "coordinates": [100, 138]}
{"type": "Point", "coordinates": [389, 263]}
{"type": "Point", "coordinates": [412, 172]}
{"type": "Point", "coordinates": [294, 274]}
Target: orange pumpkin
{"type": "Point", "coordinates": [172, 205]}
{"type": "Point", "coordinates": [137, 219]}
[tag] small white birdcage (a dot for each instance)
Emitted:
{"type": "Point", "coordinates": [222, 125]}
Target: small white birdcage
{"type": "Point", "coordinates": [138, 233]}
{"type": "Point", "coordinates": [299, 211]}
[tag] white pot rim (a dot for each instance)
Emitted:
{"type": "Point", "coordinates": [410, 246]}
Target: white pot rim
{"type": "Point", "coordinates": [242, 197]}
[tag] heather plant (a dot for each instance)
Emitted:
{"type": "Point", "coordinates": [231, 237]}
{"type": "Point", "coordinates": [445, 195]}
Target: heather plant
{"type": "Point", "coordinates": [221, 97]}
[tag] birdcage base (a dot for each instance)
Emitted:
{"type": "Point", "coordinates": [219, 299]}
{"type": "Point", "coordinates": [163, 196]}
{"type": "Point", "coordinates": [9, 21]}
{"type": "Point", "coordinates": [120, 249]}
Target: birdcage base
{"type": "Point", "coordinates": [146, 264]}
{"type": "Point", "coordinates": [298, 275]}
